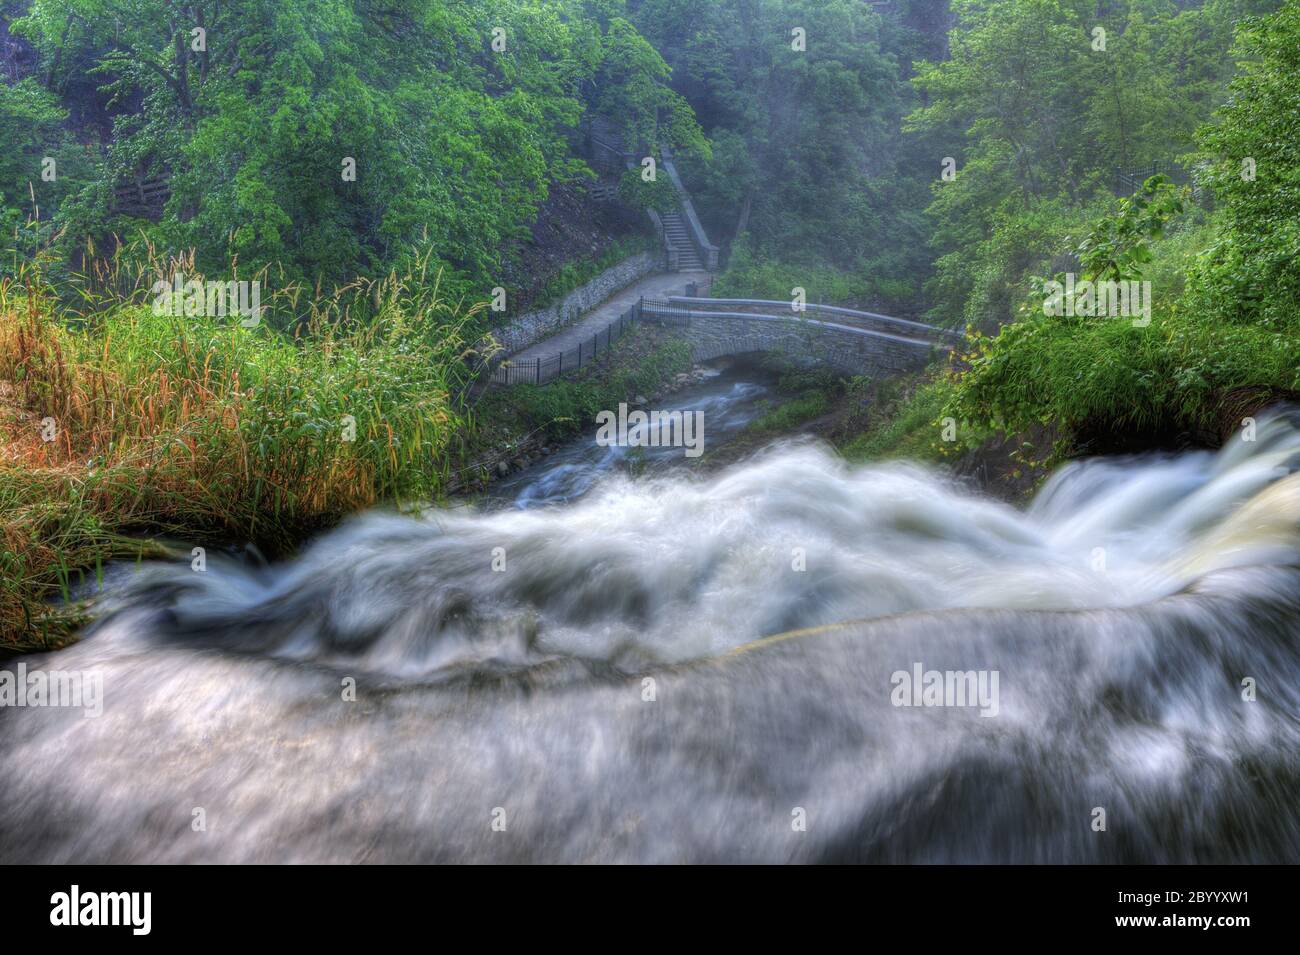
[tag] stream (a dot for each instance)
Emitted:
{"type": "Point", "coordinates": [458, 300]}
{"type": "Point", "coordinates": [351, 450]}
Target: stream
{"type": "Point", "coordinates": [568, 672]}
{"type": "Point", "coordinates": [727, 402]}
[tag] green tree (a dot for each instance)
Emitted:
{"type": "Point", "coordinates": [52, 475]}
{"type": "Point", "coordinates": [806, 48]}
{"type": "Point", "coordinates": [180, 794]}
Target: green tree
{"type": "Point", "coordinates": [337, 138]}
{"type": "Point", "coordinates": [1252, 157]}
{"type": "Point", "coordinates": [1038, 103]}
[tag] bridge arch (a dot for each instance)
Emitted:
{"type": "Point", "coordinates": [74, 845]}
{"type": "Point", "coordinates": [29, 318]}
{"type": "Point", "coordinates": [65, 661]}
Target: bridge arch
{"type": "Point", "coordinates": [845, 344]}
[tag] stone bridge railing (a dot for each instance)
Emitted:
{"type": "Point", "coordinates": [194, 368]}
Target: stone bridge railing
{"type": "Point", "coordinates": [718, 327]}
{"type": "Point", "coordinates": [854, 317]}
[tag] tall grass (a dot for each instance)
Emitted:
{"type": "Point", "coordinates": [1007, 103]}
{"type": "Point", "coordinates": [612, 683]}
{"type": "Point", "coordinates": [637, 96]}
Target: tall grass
{"type": "Point", "coordinates": [120, 424]}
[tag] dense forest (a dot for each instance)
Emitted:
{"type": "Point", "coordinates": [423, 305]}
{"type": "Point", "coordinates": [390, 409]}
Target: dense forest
{"type": "Point", "coordinates": [384, 168]}
{"type": "Point", "coordinates": [818, 163]}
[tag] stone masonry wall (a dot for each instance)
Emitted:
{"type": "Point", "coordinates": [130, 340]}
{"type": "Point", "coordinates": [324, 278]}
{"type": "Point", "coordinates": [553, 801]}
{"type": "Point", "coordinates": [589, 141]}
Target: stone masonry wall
{"type": "Point", "coordinates": [531, 328]}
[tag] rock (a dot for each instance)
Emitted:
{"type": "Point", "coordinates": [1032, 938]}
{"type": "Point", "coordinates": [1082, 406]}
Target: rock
{"type": "Point", "coordinates": [502, 468]}
{"type": "Point", "coordinates": [518, 464]}
{"type": "Point", "coordinates": [639, 399]}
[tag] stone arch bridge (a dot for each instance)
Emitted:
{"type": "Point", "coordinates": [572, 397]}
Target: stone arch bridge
{"type": "Point", "coordinates": [852, 341]}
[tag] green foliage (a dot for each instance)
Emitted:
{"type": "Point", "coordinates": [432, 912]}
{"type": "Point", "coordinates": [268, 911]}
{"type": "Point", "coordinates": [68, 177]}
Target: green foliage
{"type": "Point", "coordinates": [632, 87]}
{"type": "Point", "coordinates": [1104, 374]}
{"type": "Point", "coordinates": [1119, 246]}
{"type": "Point", "coordinates": [907, 426]}
{"type": "Point", "coordinates": [789, 415]}
{"type": "Point", "coordinates": [32, 132]}
{"type": "Point", "coordinates": [980, 285]}
{"type": "Point", "coordinates": [29, 118]}
{"type": "Point", "coordinates": [455, 142]}
{"type": "Point", "coordinates": [750, 274]}
{"type": "Point", "coordinates": [1235, 325]}
{"type": "Point", "coordinates": [1046, 119]}
{"type": "Point", "coordinates": [643, 363]}
{"type": "Point", "coordinates": [657, 193]}
{"type": "Point", "coordinates": [1252, 273]}
{"type": "Point", "coordinates": [806, 161]}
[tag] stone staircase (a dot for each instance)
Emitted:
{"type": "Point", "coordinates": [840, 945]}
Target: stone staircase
{"type": "Point", "coordinates": [686, 247]}
{"type": "Point", "coordinates": [144, 200]}
{"type": "Point", "coordinates": [678, 242]}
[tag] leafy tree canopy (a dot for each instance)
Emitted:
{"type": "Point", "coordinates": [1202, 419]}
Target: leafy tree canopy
{"type": "Point", "coordinates": [454, 117]}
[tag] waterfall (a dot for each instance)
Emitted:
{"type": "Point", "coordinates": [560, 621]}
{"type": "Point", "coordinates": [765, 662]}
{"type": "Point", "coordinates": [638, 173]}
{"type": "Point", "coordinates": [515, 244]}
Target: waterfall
{"type": "Point", "coordinates": [683, 666]}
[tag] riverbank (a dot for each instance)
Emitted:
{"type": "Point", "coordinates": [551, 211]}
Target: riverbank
{"type": "Point", "coordinates": [125, 426]}
{"type": "Point", "coordinates": [136, 436]}
{"type": "Point", "coordinates": [914, 417]}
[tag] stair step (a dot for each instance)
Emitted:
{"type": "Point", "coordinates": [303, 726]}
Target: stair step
{"type": "Point", "coordinates": [679, 234]}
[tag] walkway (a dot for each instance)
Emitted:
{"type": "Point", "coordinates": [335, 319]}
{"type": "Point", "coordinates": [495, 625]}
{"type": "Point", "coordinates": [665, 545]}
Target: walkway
{"type": "Point", "coordinates": [652, 286]}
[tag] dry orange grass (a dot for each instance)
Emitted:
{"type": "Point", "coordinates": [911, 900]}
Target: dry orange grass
{"type": "Point", "coordinates": [197, 428]}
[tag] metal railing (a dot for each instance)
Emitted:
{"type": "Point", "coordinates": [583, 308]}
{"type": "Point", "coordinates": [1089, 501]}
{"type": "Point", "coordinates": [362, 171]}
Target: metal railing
{"type": "Point", "coordinates": [538, 371]}
{"type": "Point", "coordinates": [670, 313]}
{"type": "Point", "coordinates": [675, 311]}
{"type": "Point", "coordinates": [731, 305]}
{"type": "Point", "coordinates": [663, 312]}
{"type": "Point", "coordinates": [1129, 179]}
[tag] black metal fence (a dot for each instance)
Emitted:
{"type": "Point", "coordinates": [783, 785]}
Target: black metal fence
{"type": "Point", "coordinates": [665, 313]}
{"type": "Point", "coordinates": [538, 371]}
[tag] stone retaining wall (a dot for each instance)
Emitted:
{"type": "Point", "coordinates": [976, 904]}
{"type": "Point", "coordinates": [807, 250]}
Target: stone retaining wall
{"type": "Point", "coordinates": [529, 329]}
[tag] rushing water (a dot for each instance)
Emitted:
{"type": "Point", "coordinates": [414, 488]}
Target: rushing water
{"type": "Point", "coordinates": [726, 402]}
{"type": "Point", "coordinates": [600, 698]}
